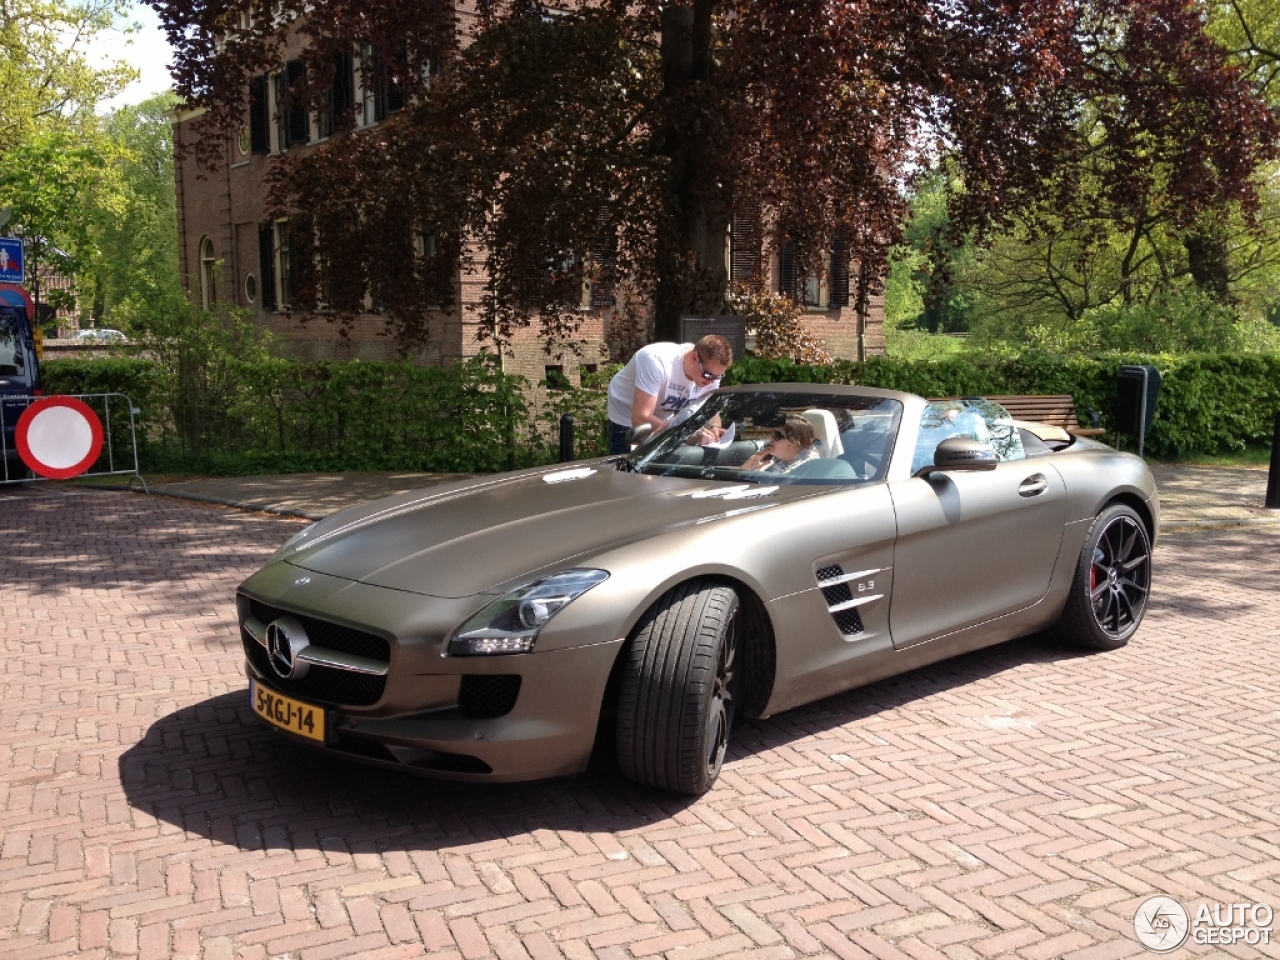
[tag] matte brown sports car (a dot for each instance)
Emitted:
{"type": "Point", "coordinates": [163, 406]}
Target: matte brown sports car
{"type": "Point", "coordinates": [484, 629]}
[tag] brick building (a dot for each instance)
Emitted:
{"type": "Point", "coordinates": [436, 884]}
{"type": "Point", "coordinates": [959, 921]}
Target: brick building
{"type": "Point", "coordinates": [231, 254]}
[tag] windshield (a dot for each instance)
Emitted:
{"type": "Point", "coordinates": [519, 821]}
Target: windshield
{"type": "Point", "coordinates": [768, 437]}
{"type": "Point", "coordinates": [11, 359]}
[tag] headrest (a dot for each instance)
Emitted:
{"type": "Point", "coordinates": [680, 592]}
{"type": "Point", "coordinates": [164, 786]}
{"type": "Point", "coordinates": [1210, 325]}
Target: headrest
{"type": "Point", "coordinates": [824, 427]}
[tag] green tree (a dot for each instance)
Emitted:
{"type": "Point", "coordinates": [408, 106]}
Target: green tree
{"type": "Point", "coordinates": [46, 80]}
{"type": "Point", "coordinates": [137, 283]}
{"type": "Point", "coordinates": [1250, 30]}
{"type": "Point", "coordinates": [57, 187]}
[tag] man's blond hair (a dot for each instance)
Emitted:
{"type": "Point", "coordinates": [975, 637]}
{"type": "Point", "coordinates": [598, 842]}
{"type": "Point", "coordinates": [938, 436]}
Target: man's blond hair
{"type": "Point", "coordinates": [715, 347]}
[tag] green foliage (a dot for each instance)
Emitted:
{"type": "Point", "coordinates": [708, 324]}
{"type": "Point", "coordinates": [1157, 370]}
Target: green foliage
{"type": "Point", "coordinates": [136, 283]}
{"type": "Point", "coordinates": [587, 404]}
{"type": "Point", "coordinates": [908, 343]}
{"type": "Point", "coordinates": [47, 81]}
{"type": "Point", "coordinates": [142, 382]}
{"type": "Point", "coordinates": [56, 184]}
{"type": "Point", "coordinates": [1188, 321]}
{"type": "Point", "coordinates": [265, 414]}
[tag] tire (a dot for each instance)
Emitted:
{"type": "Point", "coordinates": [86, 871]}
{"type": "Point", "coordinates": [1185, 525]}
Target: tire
{"type": "Point", "coordinates": [679, 685]}
{"type": "Point", "coordinates": [1112, 582]}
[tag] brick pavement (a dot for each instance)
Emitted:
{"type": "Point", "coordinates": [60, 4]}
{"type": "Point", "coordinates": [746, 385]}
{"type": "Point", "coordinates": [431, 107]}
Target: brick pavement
{"type": "Point", "coordinates": [1019, 802]}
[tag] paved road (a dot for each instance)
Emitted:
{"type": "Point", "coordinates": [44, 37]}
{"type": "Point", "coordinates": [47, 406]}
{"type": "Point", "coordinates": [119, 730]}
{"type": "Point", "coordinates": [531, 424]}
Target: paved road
{"type": "Point", "coordinates": [1019, 802]}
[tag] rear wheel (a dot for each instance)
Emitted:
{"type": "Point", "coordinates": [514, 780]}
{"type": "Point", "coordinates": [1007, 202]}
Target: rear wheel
{"type": "Point", "coordinates": [1112, 582]}
{"type": "Point", "coordinates": [679, 688]}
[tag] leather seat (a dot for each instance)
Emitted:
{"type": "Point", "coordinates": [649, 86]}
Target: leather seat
{"type": "Point", "coordinates": [828, 434]}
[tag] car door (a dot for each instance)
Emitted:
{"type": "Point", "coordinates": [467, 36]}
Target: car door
{"type": "Point", "coordinates": [973, 546]}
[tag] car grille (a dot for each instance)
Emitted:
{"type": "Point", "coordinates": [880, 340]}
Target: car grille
{"type": "Point", "coordinates": [322, 683]}
{"type": "Point", "coordinates": [484, 696]}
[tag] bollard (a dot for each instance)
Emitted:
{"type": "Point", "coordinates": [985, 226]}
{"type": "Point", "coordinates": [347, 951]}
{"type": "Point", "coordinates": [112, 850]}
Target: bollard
{"type": "Point", "coordinates": [1273, 476]}
{"type": "Point", "coordinates": [566, 438]}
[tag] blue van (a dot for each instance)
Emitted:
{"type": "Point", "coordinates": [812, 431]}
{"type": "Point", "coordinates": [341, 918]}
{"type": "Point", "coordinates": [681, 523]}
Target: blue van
{"type": "Point", "coordinates": [19, 377]}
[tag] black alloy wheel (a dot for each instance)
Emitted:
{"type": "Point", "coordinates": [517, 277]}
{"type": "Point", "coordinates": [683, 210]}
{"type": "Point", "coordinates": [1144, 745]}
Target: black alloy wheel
{"type": "Point", "coordinates": [1113, 581]}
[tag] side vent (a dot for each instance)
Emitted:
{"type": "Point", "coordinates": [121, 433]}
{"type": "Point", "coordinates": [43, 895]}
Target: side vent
{"type": "Point", "coordinates": [842, 602]}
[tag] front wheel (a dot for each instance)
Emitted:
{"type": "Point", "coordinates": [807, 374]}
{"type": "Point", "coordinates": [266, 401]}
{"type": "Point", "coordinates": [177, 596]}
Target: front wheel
{"type": "Point", "coordinates": [679, 687]}
{"type": "Point", "coordinates": [1112, 582]}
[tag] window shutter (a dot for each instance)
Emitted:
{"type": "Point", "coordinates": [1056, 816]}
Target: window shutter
{"type": "Point", "coordinates": [605, 255]}
{"type": "Point", "coordinates": [390, 87]}
{"type": "Point", "coordinates": [745, 265]}
{"type": "Point", "coordinates": [533, 287]}
{"type": "Point", "coordinates": [267, 264]}
{"type": "Point", "coordinates": [295, 81]}
{"type": "Point", "coordinates": [343, 95]}
{"type": "Point", "coordinates": [787, 270]}
{"type": "Point", "coordinates": [840, 269]}
{"type": "Point", "coordinates": [259, 115]}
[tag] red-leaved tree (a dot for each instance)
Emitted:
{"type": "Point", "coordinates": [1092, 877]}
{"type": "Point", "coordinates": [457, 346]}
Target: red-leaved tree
{"type": "Point", "coordinates": [615, 141]}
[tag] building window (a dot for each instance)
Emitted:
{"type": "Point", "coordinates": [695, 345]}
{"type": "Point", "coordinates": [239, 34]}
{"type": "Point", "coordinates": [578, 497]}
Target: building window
{"type": "Point", "coordinates": [267, 263]}
{"type": "Point", "coordinates": [250, 288]}
{"type": "Point", "coordinates": [259, 115]}
{"type": "Point", "coordinates": [208, 275]}
{"type": "Point", "coordinates": [293, 125]}
{"type": "Point", "coordinates": [809, 291]}
{"type": "Point", "coordinates": [339, 98]}
{"type": "Point", "coordinates": [555, 379]}
{"type": "Point", "coordinates": [384, 84]}
{"type": "Point", "coordinates": [284, 269]}
{"type": "Point", "coordinates": [275, 264]}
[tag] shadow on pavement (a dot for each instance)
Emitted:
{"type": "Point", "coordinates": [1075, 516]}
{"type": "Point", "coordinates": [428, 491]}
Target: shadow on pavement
{"type": "Point", "coordinates": [214, 771]}
{"type": "Point", "coordinates": [1239, 557]}
{"type": "Point", "coordinates": [166, 555]}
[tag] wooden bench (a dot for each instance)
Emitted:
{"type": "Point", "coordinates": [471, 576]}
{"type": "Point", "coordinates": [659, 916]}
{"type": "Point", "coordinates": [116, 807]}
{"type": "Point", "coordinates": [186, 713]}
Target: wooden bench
{"type": "Point", "coordinates": [1058, 410]}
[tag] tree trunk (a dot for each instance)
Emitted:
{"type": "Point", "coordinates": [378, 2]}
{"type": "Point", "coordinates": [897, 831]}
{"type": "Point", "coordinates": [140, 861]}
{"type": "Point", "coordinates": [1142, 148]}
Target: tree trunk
{"type": "Point", "coordinates": [691, 250]}
{"type": "Point", "coordinates": [1207, 261]}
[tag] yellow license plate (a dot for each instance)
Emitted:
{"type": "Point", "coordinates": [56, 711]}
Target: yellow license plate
{"type": "Point", "coordinates": [286, 713]}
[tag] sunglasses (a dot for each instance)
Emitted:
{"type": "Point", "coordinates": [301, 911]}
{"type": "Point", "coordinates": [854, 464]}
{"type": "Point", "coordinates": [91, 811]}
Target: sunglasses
{"type": "Point", "coordinates": [706, 374]}
{"type": "Point", "coordinates": [779, 435]}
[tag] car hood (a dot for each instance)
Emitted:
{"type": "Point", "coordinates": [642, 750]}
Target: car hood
{"type": "Point", "coordinates": [474, 538]}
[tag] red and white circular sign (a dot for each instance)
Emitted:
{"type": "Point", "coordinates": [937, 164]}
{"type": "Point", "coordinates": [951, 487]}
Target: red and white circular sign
{"type": "Point", "coordinates": [59, 437]}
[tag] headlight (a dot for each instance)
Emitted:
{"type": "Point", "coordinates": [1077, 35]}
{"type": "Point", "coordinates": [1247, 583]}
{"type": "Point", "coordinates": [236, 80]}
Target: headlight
{"type": "Point", "coordinates": [292, 542]}
{"type": "Point", "coordinates": [511, 623]}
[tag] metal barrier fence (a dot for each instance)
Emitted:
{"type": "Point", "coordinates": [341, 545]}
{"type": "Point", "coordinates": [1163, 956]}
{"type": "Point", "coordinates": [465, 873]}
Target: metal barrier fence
{"type": "Point", "coordinates": [108, 462]}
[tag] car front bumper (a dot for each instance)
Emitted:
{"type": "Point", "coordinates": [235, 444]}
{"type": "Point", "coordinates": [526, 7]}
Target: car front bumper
{"type": "Point", "coordinates": [496, 718]}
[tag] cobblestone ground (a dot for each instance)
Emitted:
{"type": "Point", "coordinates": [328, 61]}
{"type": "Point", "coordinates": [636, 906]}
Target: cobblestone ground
{"type": "Point", "coordinates": [1019, 802]}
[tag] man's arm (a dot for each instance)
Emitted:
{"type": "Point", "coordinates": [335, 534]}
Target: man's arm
{"type": "Point", "coordinates": [643, 406]}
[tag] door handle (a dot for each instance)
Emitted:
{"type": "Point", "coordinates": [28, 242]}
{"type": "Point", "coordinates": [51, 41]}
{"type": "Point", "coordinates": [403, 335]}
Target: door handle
{"type": "Point", "coordinates": [1033, 486]}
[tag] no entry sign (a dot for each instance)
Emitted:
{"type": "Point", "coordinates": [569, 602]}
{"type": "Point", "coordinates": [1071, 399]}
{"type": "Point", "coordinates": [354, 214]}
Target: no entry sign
{"type": "Point", "coordinates": [59, 437]}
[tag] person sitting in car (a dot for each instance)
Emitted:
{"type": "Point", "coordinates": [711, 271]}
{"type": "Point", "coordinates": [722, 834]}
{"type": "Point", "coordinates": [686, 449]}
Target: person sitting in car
{"type": "Point", "coordinates": [792, 444]}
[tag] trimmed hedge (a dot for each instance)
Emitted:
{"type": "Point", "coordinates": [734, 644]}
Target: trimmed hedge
{"type": "Point", "coordinates": [284, 415]}
{"type": "Point", "coordinates": [1209, 403]}
{"type": "Point", "coordinates": [289, 416]}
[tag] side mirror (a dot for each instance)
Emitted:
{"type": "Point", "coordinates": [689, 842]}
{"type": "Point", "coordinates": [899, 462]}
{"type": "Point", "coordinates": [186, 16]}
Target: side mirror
{"type": "Point", "coordinates": [963, 455]}
{"type": "Point", "coordinates": [639, 434]}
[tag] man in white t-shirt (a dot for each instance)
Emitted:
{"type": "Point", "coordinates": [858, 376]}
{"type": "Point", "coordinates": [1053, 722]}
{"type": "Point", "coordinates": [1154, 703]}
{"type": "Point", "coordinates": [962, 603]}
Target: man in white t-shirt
{"type": "Point", "coordinates": [660, 381]}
